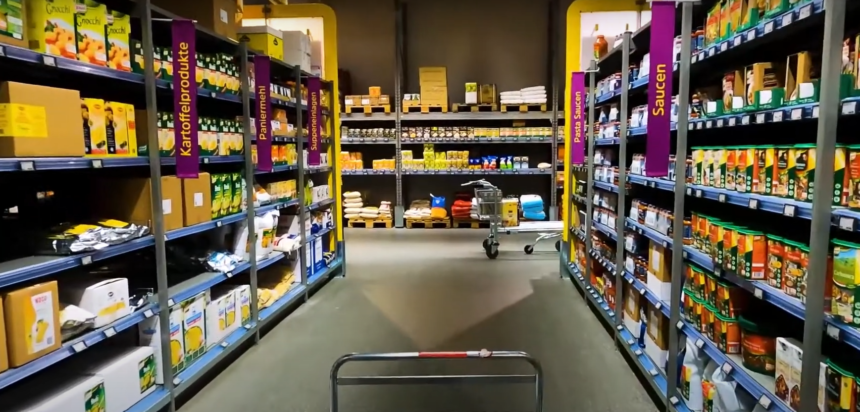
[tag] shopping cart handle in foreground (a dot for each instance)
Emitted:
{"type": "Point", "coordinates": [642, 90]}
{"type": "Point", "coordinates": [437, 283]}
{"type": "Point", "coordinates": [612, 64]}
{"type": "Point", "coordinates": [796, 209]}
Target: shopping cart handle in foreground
{"type": "Point", "coordinates": [535, 379]}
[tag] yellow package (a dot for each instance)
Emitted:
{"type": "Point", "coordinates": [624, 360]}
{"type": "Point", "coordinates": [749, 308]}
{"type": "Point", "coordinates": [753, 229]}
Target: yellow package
{"type": "Point", "coordinates": [23, 120]}
{"type": "Point", "coordinates": [51, 27]}
{"type": "Point", "coordinates": [90, 32]}
{"type": "Point", "coordinates": [243, 298]}
{"type": "Point", "coordinates": [93, 116]}
{"type": "Point", "coordinates": [510, 212]}
{"type": "Point", "coordinates": [116, 128]}
{"type": "Point", "coordinates": [194, 325]}
{"type": "Point", "coordinates": [719, 158]}
{"type": "Point", "coordinates": [118, 41]}
{"type": "Point", "coordinates": [131, 126]}
{"type": "Point", "coordinates": [217, 198]}
{"type": "Point", "coordinates": [32, 322]}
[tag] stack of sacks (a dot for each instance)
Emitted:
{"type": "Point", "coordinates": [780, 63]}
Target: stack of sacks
{"type": "Point", "coordinates": [462, 207]}
{"type": "Point", "coordinates": [419, 209]}
{"type": "Point", "coordinates": [352, 205]}
{"type": "Point", "coordinates": [532, 207]}
{"type": "Point", "coordinates": [385, 210]}
{"type": "Point", "coordinates": [369, 212]}
{"type": "Point", "coordinates": [529, 95]}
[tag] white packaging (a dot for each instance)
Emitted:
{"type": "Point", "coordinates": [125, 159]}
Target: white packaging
{"type": "Point", "coordinates": [318, 255]}
{"type": "Point", "coordinates": [221, 317]}
{"type": "Point", "coordinates": [150, 335]}
{"type": "Point", "coordinates": [692, 373]}
{"type": "Point", "coordinates": [70, 394]}
{"type": "Point", "coordinates": [657, 355]}
{"type": "Point", "coordinates": [782, 376]}
{"type": "Point", "coordinates": [243, 303]}
{"type": "Point", "coordinates": [194, 325]}
{"type": "Point", "coordinates": [107, 299]}
{"type": "Point", "coordinates": [129, 374]}
{"type": "Point", "coordinates": [663, 290]}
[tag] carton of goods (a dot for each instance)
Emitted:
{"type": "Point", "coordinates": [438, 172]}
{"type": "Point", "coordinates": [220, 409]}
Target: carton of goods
{"type": "Point", "coordinates": [196, 199]}
{"type": "Point", "coordinates": [221, 317]}
{"type": "Point", "coordinates": [51, 30]}
{"type": "Point", "coordinates": [119, 41]}
{"type": "Point", "coordinates": [106, 299]}
{"type": "Point", "coordinates": [194, 325]}
{"type": "Point", "coordinates": [129, 375]}
{"type": "Point", "coordinates": [38, 121]}
{"type": "Point", "coordinates": [90, 32]}
{"type": "Point", "coordinates": [12, 20]}
{"type": "Point", "coordinates": [32, 318]}
{"type": "Point", "coordinates": [95, 132]}
{"type": "Point", "coordinates": [150, 335]}
{"type": "Point", "coordinates": [265, 39]}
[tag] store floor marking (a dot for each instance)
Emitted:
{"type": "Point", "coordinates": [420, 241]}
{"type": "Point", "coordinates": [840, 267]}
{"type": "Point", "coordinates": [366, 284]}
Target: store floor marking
{"type": "Point", "coordinates": [834, 327]}
{"type": "Point", "coordinates": [844, 218]}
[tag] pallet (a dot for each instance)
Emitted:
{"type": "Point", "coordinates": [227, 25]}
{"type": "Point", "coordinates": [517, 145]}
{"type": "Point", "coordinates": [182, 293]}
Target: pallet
{"type": "Point", "coordinates": [385, 108]}
{"type": "Point", "coordinates": [470, 224]}
{"type": "Point", "coordinates": [426, 108]}
{"type": "Point", "coordinates": [523, 108]}
{"type": "Point", "coordinates": [370, 223]}
{"type": "Point", "coordinates": [474, 108]}
{"type": "Point", "coordinates": [428, 223]}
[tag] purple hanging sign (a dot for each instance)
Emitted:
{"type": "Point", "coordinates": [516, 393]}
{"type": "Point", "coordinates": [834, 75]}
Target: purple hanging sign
{"type": "Point", "coordinates": [660, 89]}
{"type": "Point", "coordinates": [314, 121]}
{"type": "Point", "coordinates": [263, 121]}
{"type": "Point", "coordinates": [185, 99]}
{"type": "Point", "coordinates": [577, 101]}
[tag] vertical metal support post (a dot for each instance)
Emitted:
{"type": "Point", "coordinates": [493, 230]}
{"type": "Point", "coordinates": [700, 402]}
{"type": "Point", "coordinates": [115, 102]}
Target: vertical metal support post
{"type": "Point", "coordinates": [589, 164]}
{"type": "Point", "coordinates": [553, 61]}
{"type": "Point", "coordinates": [680, 189]}
{"type": "Point", "coordinates": [301, 179]}
{"type": "Point", "coordinates": [620, 207]}
{"type": "Point", "coordinates": [334, 152]}
{"type": "Point", "coordinates": [834, 29]}
{"type": "Point", "coordinates": [145, 11]}
{"type": "Point", "coordinates": [249, 179]}
{"type": "Point", "coordinates": [399, 207]}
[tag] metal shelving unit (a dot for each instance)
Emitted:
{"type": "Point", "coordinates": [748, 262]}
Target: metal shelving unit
{"type": "Point", "coordinates": [30, 269]}
{"type": "Point", "coordinates": [824, 219]}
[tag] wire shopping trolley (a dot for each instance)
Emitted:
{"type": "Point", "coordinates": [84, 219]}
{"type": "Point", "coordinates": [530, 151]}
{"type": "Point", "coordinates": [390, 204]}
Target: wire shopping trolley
{"type": "Point", "coordinates": [489, 202]}
{"type": "Point", "coordinates": [535, 379]}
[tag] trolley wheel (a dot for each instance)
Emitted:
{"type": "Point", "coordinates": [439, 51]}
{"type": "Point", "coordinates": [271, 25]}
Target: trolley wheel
{"type": "Point", "coordinates": [486, 244]}
{"type": "Point", "coordinates": [492, 252]}
{"type": "Point", "coordinates": [558, 246]}
{"type": "Point", "coordinates": [529, 249]}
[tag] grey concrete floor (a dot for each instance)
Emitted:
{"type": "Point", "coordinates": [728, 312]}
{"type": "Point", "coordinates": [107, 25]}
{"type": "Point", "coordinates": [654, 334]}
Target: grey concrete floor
{"type": "Point", "coordinates": [409, 290]}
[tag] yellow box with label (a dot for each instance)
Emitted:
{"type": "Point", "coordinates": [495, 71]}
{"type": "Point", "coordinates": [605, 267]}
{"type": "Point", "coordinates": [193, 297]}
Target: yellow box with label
{"type": "Point", "coordinates": [265, 39]}
{"type": "Point", "coordinates": [93, 117]}
{"type": "Point", "coordinates": [23, 120]}
{"type": "Point", "coordinates": [32, 318]}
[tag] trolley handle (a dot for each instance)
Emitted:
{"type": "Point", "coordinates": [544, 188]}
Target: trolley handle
{"type": "Point", "coordinates": [480, 182]}
{"type": "Point", "coordinates": [535, 379]}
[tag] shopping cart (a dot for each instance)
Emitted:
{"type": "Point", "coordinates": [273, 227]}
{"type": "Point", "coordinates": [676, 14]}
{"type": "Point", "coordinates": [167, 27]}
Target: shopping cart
{"type": "Point", "coordinates": [536, 379]}
{"type": "Point", "coordinates": [489, 200]}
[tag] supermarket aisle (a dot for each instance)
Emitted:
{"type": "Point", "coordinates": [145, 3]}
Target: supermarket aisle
{"type": "Point", "coordinates": [433, 290]}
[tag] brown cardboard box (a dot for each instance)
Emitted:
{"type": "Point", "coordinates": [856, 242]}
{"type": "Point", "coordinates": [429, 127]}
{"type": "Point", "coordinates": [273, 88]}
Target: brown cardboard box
{"type": "Point", "coordinates": [65, 136]}
{"type": "Point", "coordinates": [434, 95]}
{"type": "Point", "coordinates": [384, 99]}
{"type": "Point", "coordinates": [631, 302]}
{"type": "Point", "coordinates": [4, 355]}
{"type": "Point", "coordinates": [216, 15]}
{"type": "Point", "coordinates": [196, 200]}
{"type": "Point", "coordinates": [433, 76]}
{"type": "Point", "coordinates": [365, 100]}
{"type": "Point", "coordinates": [32, 318]}
{"type": "Point", "coordinates": [658, 327]}
{"type": "Point", "coordinates": [660, 262]}
{"type": "Point", "coordinates": [352, 100]}
{"type": "Point", "coordinates": [132, 200]}
{"type": "Point", "coordinates": [798, 71]}
{"type": "Point", "coordinates": [488, 94]}
{"type": "Point", "coordinates": [374, 91]}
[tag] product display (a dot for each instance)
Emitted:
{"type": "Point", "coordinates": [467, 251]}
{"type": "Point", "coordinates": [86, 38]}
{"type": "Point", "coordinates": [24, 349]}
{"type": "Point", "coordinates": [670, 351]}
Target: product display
{"type": "Point", "coordinates": [81, 307]}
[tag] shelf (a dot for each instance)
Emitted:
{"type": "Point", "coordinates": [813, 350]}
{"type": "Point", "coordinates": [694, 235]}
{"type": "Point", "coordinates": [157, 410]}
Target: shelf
{"type": "Point", "coordinates": [368, 140]}
{"type": "Point", "coordinates": [606, 186]}
{"type": "Point", "coordinates": [603, 307]}
{"type": "Point", "coordinates": [607, 142]}
{"type": "Point", "coordinates": [75, 346]}
{"type": "Point", "coordinates": [213, 356]}
{"type": "Point", "coordinates": [317, 169]}
{"type": "Point", "coordinates": [450, 116]}
{"type": "Point", "coordinates": [266, 314]}
{"type": "Point", "coordinates": [478, 172]}
{"type": "Point", "coordinates": [843, 218]}
{"type": "Point", "coordinates": [653, 374]}
{"type": "Point", "coordinates": [320, 234]}
{"type": "Point", "coordinates": [768, 27]}
{"type": "Point", "coordinates": [606, 230]}
{"type": "Point", "coordinates": [318, 205]}
{"type": "Point", "coordinates": [155, 401]}
{"type": "Point", "coordinates": [367, 172]}
{"type": "Point", "coordinates": [71, 163]}
{"type": "Point", "coordinates": [316, 277]}
{"type": "Point", "coordinates": [275, 206]}
{"type": "Point", "coordinates": [277, 169]}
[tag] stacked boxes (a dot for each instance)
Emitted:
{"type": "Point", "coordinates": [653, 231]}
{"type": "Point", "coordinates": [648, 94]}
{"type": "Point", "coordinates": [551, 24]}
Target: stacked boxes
{"type": "Point", "coordinates": [265, 39]}
{"type": "Point", "coordinates": [434, 85]}
{"type": "Point", "coordinates": [297, 49]}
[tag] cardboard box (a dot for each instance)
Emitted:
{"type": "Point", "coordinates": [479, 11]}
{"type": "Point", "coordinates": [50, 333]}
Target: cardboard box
{"type": "Point", "coordinates": [90, 30]}
{"type": "Point", "coordinates": [433, 76]}
{"type": "Point", "coordinates": [471, 93]}
{"type": "Point", "coordinates": [658, 327]}
{"type": "Point", "coordinates": [95, 131]}
{"type": "Point", "coordinates": [374, 91]}
{"type": "Point", "coordinates": [149, 332]}
{"type": "Point", "coordinates": [221, 317]}
{"type": "Point", "coordinates": [63, 392]}
{"type": "Point", "coordinates": [32, 319]}
{"type": "Point", "coordinates": [264, 39]}
{"type": "Point", "coordinates": [129, 375]}
{"type": "Point", "coordinates": [119, 41]}
{"type": "Point", "coordinates": [236, 182]}
{"type": "Point", "coordinates": [116, 128]}
{"type": "Point", "coordinates": [51, 30]}
{"type": "Point", "coordinates": [4, 354]}
{"type": "Point", "coordinates": [632, 303]}
{"type": "Point", "coordinates": [297, 49]}
{"type": "Point", "coordinates": [216, 15]}
{"type": "Point", "coordinates": [384, 99]}
{"type": "Point", "coordinates": [106, 299]}
{"type": "Point", "coordinates": [196, 199]}
{"type": "Point", "coordinates": [13, 30]}
{"type": "Point", "coordinates": [488, 94]}
{"type": "Point", "coordinates": [243, 301]}
{"type": "Point", "coordinates": [660, 262]}
{"type": "Point", "coordinates": [226, 193]}
{"type": "Point", "coordinates": [23, 121]}
{"type": "Point", "coordinates": [194, 325]}
{"type": "Point", "coordinates": [63, 114]}
{"type": "Point", "coordinates": [798, 77]}
{"type": "Point", "coordinates": [782, 375]}
{"type": "Point", "coordinates": [133, 200]}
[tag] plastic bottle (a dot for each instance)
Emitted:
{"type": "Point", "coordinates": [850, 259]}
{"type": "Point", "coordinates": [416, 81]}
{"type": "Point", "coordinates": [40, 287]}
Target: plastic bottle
{"type": "Point", "coordinates": [601, 47]}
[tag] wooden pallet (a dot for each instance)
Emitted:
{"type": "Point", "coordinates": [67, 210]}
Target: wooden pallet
{"type": "Point", "coordinates": [428, 223]}
{"type": "Point", "coordinates": [470, 224]}
{"type": "Point", "coordinates": [385, 108]}
{"type": "Point", "coordinates": [370, 223]}
{"type": "Point", "coordinates": [522, 108]}
{"type": "Point", "coordinates": [474, 108]}
{"type": "Point", "coordinates": [426, 108]}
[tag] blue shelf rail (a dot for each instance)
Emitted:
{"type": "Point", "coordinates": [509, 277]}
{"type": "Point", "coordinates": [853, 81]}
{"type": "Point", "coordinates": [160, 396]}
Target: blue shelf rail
{"type": "Point", "coordinates": [606, 186]}
{"type": "Point", "coordinates": [29, 164]}
{"type": "Point", "coordinates": [368, 172]}
{"type": "Point", "coordinates": [478, 172]}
